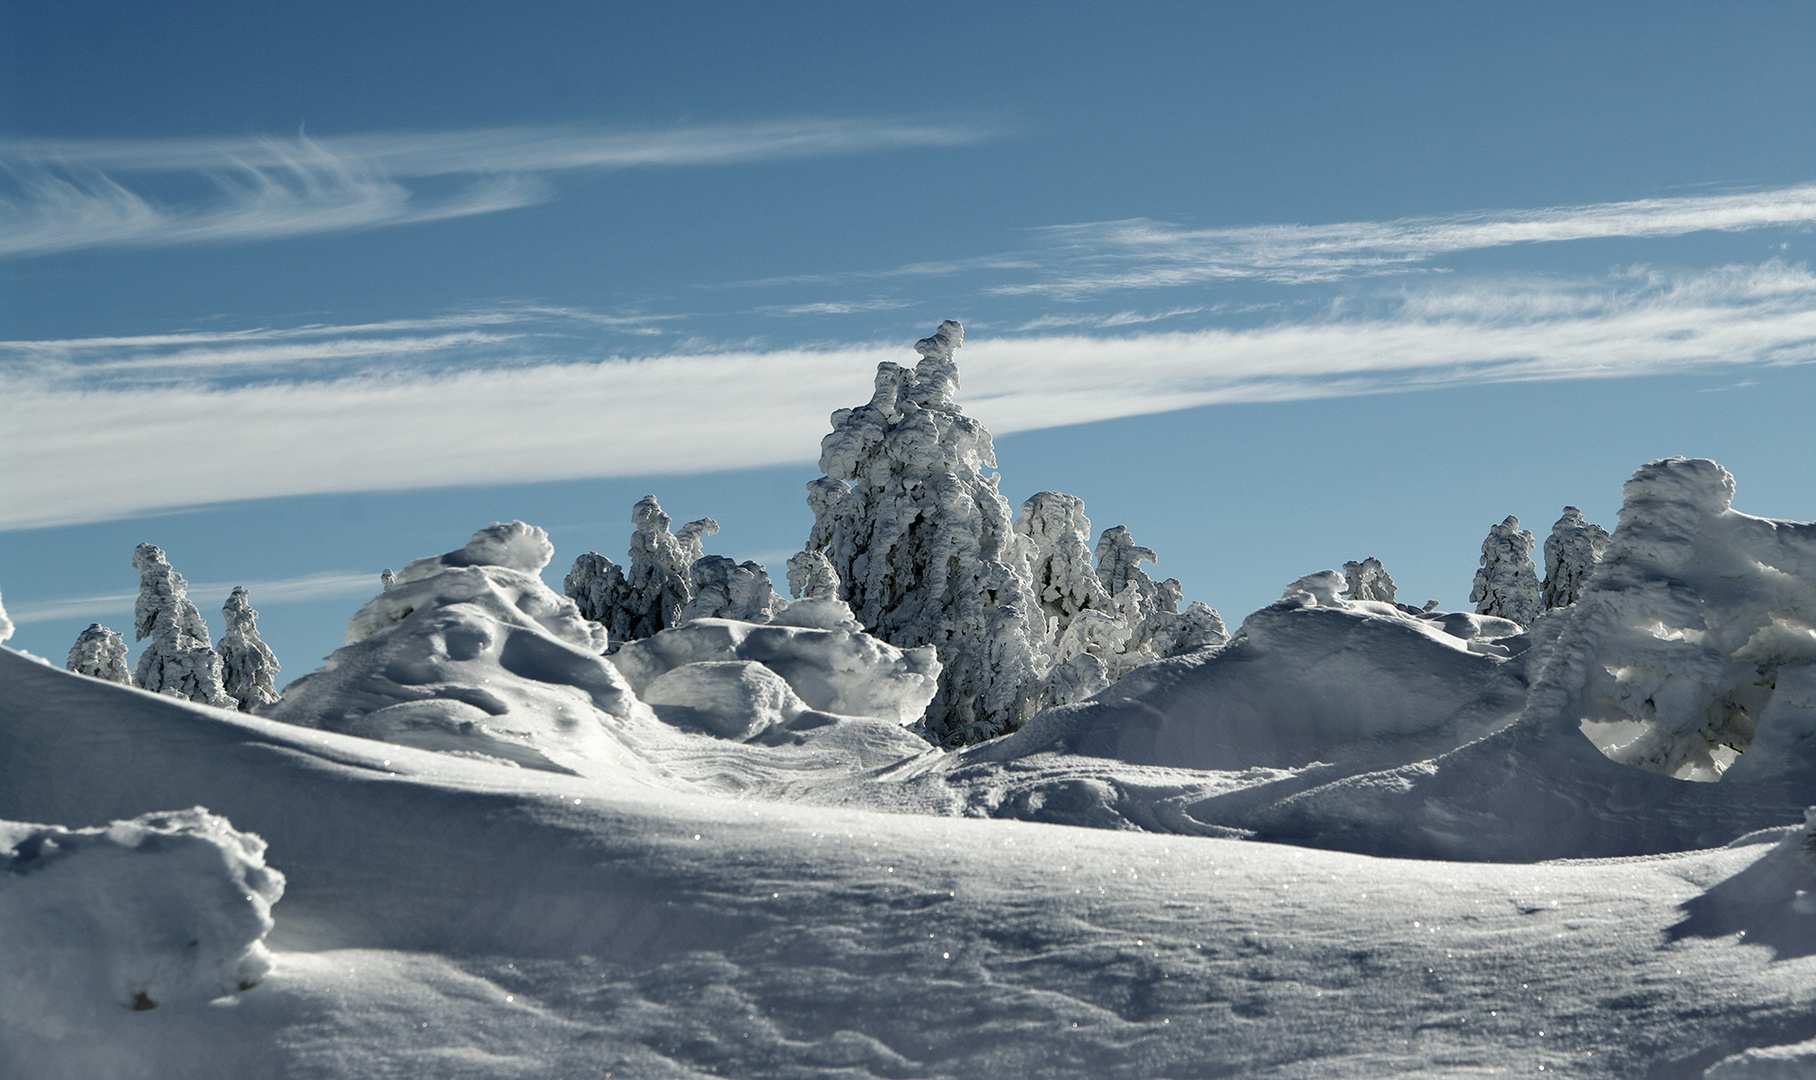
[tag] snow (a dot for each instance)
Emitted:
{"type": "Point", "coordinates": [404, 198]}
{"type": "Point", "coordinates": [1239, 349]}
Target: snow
{"type": "Point", "coordinates": [179, 660]}
{"type": "Point", "coordinates": [161, 909]}
{"type": "Point", "coordinates": [100, 653]}
{"type": "Point", "coordinates": [248, 666]}
{"type": "Point", "coordinates": [1368, 580]}
{"type": "Point", "coordinates": [1571, 551]}
{"type": "Point", "coordinates": [6, 624]}
{"type": "Point", "coordinates": [445, 916]}
{"type": "Point", "coordinates": [1507, 585]}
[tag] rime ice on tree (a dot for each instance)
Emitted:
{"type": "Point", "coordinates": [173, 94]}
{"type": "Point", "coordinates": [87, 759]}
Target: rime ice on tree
{"type": "Point", "coordinates": [1507, 585]}
{"type": "Point", "coordinates": [179, 661]}
{"type": "Point", "coordinates": [1572, 548]}
{"type": "Point", "coordinates": [1368, 580]}
{"type": "Point", "coordinates": [646, 597]}
{"type": "Point", "coordinates": [1053, 530]}
{"type": "Point", "coordinates": [101, 654]}
{"type": "Point", "coordinates": [924, 546]}
{"type": "Point", "coordinates": [247, 664]}
{"type": "Point", "coordinates": [723, 589]}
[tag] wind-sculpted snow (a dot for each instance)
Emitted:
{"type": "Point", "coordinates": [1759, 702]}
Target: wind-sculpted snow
{"type": "Point", "coordinates": [444, 916]}
{"type": "Point", "coordinates": [837, 670]}
{"type": "Point", "coordinates": [923, 545]}
{"type": "Point", "coordinates": [1571, 551]}
{"type": "Point", "coordinates": [1691, 654]}
{"type": "Point", "coordinates": [164, 908]}
{"type": "Point", "coordinates": [179, 660]}
{"type": "Point", "coordinates": [248, 666]}
{"type": "Point", "coordinates": [469, 655]}
{"type": "Point", "coordinates": [100, 653]}
{"type": "Point", "coordinates": [1507, 585]}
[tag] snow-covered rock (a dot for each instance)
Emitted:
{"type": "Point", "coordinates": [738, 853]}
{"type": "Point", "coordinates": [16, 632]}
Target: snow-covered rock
{"type": "Point", "coordinates": [248, 666]}
{"type": "Point", "coordinates": [465, 655]}
{"type": "Point", "coordinates": [179, 660]}
{"type": "Point", "coordinates": [1574, 546]}
{"type": "Point", "coordinates": [162, 909]}
{"type": "Point", "coordinates": [838, 670]}
{"type": "Point", "coordinates": [100, 653]}
{"type": "Point", "coordinates": [1507, 585]}
{"type": "Point", "coordinates": [924, 546]}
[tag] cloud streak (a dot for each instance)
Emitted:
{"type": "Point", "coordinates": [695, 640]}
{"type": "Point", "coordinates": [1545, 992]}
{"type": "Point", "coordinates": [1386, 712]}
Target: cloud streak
{"type": "Point", "coordinates": [62, 195]}
{"type": "Point", "coordinates": [326, 585]}
{"type": "Point", "coordinates": [81, 448]}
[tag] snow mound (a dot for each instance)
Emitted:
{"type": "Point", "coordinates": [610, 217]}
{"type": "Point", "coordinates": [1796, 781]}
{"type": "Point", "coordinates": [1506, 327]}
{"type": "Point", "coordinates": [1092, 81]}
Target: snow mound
{"type": "Point", "coordinates": [165, 907]}
{"type": "Point", "coordinates": [733, 699]}
{"type": "Point", "coordinates": [1312, 677]}
{"type": "Point", "coordinates": [832, 670]}
{"type": "Point", "coordinates": [474, 656]}
{"type": "Point", "coordinates": [1796, 1061]}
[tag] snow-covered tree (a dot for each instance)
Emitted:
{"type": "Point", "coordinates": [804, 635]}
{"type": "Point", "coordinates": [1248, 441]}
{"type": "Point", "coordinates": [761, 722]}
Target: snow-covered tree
{"type": "Point", "coordinates": [6, 624]}
{"type": "Point", "coordinates": [644, 598]}
{"type": "Point", "coordinates": [1368, 580]}
{"type": "Point", "coordinates": [924, 546]}
{"type": "Point", "coordinates": [1150, 609]}
{"type": "Point", "coordinates": [100, 653]}
{"type": "Point", "coordinates": [724, 589]}
{"type": "Point", "coordinates": [1054, 536]}
{"type": "Point", "coordinates": [1573, 547]}
{"type": "Point", "coordinates": [1507, 585]}
{"type": "Point", "coordinates": [248, 666]}
{"type": "Point", "coordinates": [811, 576]}
{"type": "Point", "coordinates": [179, 661]}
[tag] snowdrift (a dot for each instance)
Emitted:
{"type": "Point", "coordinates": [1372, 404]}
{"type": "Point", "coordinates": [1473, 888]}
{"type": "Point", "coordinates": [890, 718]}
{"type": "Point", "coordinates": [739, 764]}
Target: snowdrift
{"type": "Point", "coordinates": [128, 916]}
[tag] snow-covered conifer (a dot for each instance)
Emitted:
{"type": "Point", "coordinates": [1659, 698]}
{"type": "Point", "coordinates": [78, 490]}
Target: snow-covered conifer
{"type": "Point", "coordinates": [723, 589]}
{"type": "Point", "coordinates": [1572, 548]}
{"type": "Point", "coordinates": [1054, 533]}
{"type": "Point", "coordinates": [248, 666]}
{"type": "Point", "coordinates": [6, 624]}
{"type": "Point", "coordinates": [811, 576]}
{"type": "Point", "coordinates": [642, 598]}
{"type": "Point", "coordinates": [100, 653]}
{"type": "Point", "coordinates": [1507, 585]}
{"type": "Point", "coordinates": [179, 661]}
{"type": "Point", "coordinates": [596, 586]}
{"type": "Point", "coordinates": [924, 545]}
{"type": "Point", "coordinates": [1368, 580]}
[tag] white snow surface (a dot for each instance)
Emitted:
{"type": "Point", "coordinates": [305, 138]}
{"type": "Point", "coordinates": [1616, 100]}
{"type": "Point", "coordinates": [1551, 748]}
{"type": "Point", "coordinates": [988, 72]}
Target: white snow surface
{"type": "Point", "coordinates": [444, 916]}
{"type": "Point", "coordinates": [164, 908]}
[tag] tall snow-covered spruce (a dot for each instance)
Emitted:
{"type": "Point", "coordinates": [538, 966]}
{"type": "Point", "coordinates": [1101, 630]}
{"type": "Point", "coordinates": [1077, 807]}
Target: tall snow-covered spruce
{"type": "Point", "coordinates": [647, 597]}
{"type": "Point", "coordinates": [1507, 585]}
{"type": "Point", "coordinates": [248, 666]}
{"type": "Point", "coordinates": [917, 539]}
{"type": "Point", "coordinates": [1572, 548]}
{"type": "Point", "coordinates": [179, 661]}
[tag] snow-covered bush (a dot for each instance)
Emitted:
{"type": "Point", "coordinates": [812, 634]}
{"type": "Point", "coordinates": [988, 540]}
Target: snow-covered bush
{"type": "Point", "coordinates": [1696, 618]}
{"type": "Point", "coordinates": [179, 661]}
{"type": "Point", "coordinates": [248, 666]}
{"type": "Point", "coordinates": [924, 546]}
{"type": "Point", "coordinates": [1367, 580]}
{"type": "Point", "coordinates": [101, 654]}
{"type": "Point", "coordinates": [723, 589]}
{"type": "Point", "coordinates": [1572, 548]}
{"type": "Point", "coordinates": [1507, 585]}
{"type": "Point", "coordinates": [137, 914]}
{"type": "Point", "coordinates": [645, 597]}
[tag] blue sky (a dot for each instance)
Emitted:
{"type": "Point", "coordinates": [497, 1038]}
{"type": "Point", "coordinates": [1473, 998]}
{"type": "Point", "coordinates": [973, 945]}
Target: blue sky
{"type": "Point", "coordinates": [299, 294]}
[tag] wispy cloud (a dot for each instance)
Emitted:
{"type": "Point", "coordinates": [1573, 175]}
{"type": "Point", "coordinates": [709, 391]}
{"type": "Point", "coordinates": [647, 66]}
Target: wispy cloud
{"type": "Point", "coordinates": [82, 448]}
{"type": "Point", "coordinates": [834, 307]}
{"type": "Point", "coordinates": [66, 194]}
{"type": "Point", "coordinates": [327, 585]}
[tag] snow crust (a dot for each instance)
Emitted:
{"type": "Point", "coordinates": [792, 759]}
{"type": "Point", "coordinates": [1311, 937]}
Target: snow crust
{"type": "Point", "coordinates": [161, 908]}
{"type": "Point", "coordinates": [100, 653]}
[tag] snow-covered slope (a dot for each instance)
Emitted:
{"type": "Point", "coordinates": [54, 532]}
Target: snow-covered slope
{"type": "Point", "coordinates": [451, 917]}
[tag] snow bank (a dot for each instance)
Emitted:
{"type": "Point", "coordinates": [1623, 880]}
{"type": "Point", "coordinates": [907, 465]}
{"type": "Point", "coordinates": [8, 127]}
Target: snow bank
{"type": "Point", "coordinates": [165, 907]}
{"type": "Point", "coordinates": [837, 669]}
{"type": "Point", "coordinates": [470, 652]}
{"type": "Point", "coordinates": [1313, 677]}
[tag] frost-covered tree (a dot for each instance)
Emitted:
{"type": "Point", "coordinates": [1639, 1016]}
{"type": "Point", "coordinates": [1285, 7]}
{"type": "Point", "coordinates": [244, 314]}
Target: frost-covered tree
{"type": "Point", "coordinates": [1573, 547]}
{"type": "Point", "coordinates": [724, 589]}
{"type": "Point", "coordinates": [1368, 580]}
{"type": "Point", "coordinates": [1507, 585]}
{"type": "Point", "coordinates": [179, 661]}
{"type": "Point", "coordinates": [644, 598]}
{"type": "Point", "coordinates": [1157, 628]}
{"type": "Point", "coordinates": [101, 654]}
{"type": "Point", "coordinates": [924, 546]}
{"type": "Point", "coordinates": [248, 666]}
{"type": "Point", "coordinates": [1054, 534]}
{"type": "Point", "coordinates": [811, 576]}
{"type": "Point", "coordinates": [6, 624]}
